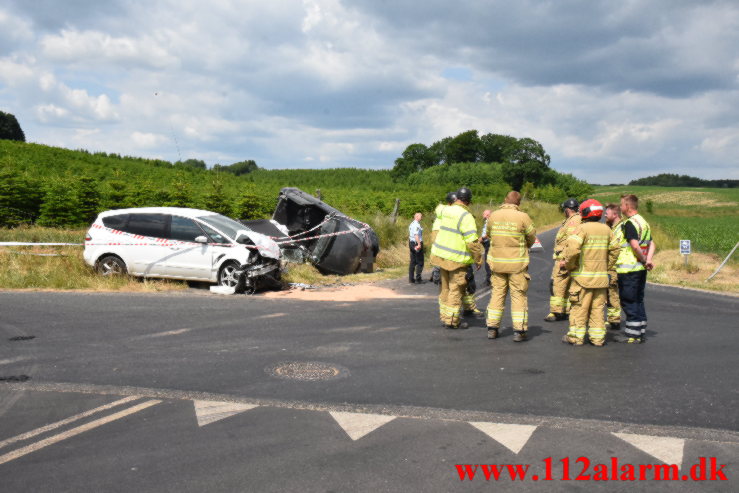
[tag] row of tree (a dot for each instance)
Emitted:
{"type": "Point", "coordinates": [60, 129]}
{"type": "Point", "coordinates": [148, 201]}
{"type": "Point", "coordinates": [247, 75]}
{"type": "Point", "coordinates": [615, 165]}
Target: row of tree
{"type": "Point", "coordinates": [674, 180]}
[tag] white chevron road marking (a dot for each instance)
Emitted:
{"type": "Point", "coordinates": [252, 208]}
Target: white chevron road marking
{"type": "Point", "coordinates": [357, 425]}
{"type": "Point", "coordinates": [208, 412]}
{"type": "Point", "coordinates": [513, 437]}
{"type": "Point", "coordinates": [667, 449]}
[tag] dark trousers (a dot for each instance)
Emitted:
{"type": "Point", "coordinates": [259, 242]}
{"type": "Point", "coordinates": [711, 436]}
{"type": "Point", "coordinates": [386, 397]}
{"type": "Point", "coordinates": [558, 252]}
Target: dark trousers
{"type": "Point", "coordinates": [486, 245]}
{"type": "Point", "coordinates": [416, 266]}
{"type": "Point", "coordinates": [631, 291]}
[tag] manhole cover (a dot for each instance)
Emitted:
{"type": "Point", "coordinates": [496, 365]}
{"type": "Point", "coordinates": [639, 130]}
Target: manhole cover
{"type": "Point", "coordinates": [307, 371]}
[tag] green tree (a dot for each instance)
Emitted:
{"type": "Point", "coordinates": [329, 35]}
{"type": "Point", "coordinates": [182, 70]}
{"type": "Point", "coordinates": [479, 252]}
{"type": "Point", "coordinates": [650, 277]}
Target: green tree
{"type": "Point", "coordinates": [10, 129]}
{"type": "Point", "coordinates": [61, 206]}
{"type": "Point", "coordinates": [439, 148]}
{"type": "Point", "coordinates": [88, 197]}
{"type": "Point", "coordinates": [115, 195]}
{"type": "Point", "coordinates": [415, 157]}
{"type": "Point", "coordinates": [20, 198]}
{"type": "Point", "coordinates": [216, 199]}
{"type": "Point", "coordinates": [528, 163]}
{"type": "Point", "coordinates": [180, 193]}
{"type": "Point", "coordinates": [191, 163]}
{"type": "Point", "coordinates": [464, 148]}
{"type": "Point", "coordinates": [496, 148]}
{"type": "Point", "coordinates": [240, 168]}
{"type": "Point", "coordinates": [252, 205]}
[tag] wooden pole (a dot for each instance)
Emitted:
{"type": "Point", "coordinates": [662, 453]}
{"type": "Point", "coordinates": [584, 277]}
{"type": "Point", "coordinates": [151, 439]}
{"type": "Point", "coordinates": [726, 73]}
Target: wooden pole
{"type": "Point", "coordinates": [395, 210]}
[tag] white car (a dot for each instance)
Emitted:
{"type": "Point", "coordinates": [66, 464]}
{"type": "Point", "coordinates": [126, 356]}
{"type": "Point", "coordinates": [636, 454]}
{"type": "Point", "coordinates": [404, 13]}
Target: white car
{"type": "Point", "coordinates": [179, 243]}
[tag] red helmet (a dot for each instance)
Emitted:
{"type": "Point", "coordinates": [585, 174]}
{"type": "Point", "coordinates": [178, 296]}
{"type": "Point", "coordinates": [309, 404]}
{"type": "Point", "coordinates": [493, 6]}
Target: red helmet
{"type": "Point", "coordinates": [591, 209]}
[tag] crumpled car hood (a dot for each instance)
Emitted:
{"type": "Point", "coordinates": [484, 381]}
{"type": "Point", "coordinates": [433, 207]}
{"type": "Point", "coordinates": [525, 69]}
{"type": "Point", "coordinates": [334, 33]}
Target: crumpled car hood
{"type": "Point", "coordinates": [267, 246]}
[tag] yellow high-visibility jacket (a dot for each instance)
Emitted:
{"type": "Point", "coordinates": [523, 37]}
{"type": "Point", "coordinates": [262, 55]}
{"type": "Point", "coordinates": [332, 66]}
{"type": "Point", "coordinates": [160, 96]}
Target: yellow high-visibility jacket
{"type": "Point", "coordinates": [456, 244]}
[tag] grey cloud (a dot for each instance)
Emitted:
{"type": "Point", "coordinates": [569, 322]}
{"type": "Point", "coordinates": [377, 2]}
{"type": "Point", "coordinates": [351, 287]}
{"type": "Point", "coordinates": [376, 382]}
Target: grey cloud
{"type": "Point", "coordinates": [611, 45]}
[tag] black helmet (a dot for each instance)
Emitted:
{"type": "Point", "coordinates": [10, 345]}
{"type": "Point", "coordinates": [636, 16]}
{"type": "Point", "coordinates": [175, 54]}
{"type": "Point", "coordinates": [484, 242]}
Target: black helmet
{"type": "Point", "coordinates": [464, 194]}
{"type": "Point", "coordinates": [451, 197]}
{"type": "Point", "coordinates": [570, 204]}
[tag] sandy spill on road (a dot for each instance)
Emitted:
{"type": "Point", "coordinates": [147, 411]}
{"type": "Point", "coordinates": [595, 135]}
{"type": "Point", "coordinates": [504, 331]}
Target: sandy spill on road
{"type": "Point", "coordinates": [345, 293]}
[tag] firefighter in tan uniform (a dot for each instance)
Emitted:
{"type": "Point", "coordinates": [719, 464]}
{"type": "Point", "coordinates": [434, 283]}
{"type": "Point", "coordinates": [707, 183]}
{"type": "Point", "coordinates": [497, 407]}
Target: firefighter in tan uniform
{"type": "Point", "coordinates": [559, 305]}
{"type": "Point", "coordinates": [589, 254]}
{"type": "Point", "coordinates": [511, 235]}
{"type": "Point", "coordinates": [469, 306]}
{"type": "Point", "coordinates": [454, 250]}
{"type": "Point", "coordinates": [613, 304]}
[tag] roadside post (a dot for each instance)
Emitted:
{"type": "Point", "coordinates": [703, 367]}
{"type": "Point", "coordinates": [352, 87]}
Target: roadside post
{"type": "Point", "coordinates": [685, 250]}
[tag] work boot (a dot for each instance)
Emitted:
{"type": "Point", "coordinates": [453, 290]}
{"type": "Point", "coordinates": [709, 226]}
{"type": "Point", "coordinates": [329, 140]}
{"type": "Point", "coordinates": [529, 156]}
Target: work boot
{"type": "Point", "coordinates": [520, 336]}
{"type": "Point", "coordinates": [462, 325]}
{"type": "Point", "coordinates": [555, 317]}
{"type": "Point", "coordinates": [613, 325]}
{"type": "Point", "coordinates": [568, 339]}
{"type": "Point", "coordinates": [474, 313]}
{"type": "Point", "coordinates": [492, 332]}
{"type": "Point", "coordinates": [598, 342]}
{"type": "Point", "coordinates": [626, 339]}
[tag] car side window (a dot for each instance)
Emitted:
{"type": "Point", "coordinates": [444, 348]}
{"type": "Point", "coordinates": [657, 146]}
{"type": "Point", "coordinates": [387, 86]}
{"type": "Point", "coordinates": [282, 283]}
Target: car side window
{"type": "Point", "coordinates": [154, 225]}
{"type": "Point", "coordinates": [184, 229]}
{"type": "Point", "coordinates": [215, 236]}
{"type": "Point", "coordinates": [116, 222]}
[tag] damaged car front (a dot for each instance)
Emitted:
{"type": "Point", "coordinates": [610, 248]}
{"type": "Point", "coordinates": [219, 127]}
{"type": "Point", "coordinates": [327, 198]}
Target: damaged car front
{"type": "Point", "coordinates": [244, 260]}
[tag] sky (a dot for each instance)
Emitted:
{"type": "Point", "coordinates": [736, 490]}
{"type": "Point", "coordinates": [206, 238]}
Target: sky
{"type": "Point", "coordinates": [613, 90]}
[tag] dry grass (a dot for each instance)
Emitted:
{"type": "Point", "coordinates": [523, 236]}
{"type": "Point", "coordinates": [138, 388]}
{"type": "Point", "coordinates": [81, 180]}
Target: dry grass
{"type": "Point", "coordinates": [30, 268]}
{"type": "Point", "coordinates": [670, 269]}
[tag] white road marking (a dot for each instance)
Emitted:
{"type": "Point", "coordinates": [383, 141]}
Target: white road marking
{"type": "Point", "coordinates": [75, 431]}
{"type": "Point", "coordinates": [357, 425]}
{"type": "Point", "coordinates": [12, 360]}
{"type": "Point", "coordinates": [667, 449]}
{"type": "Point", "coordinates": [208, 412]}
{"type": "Point", "coordinates": [271, 315]}
{"type": "Point", "coordinates": [484, 292]}
{"type": "Point", "coordinates": [71, 419]}
{"type": "Point", "coordinates": [513, 437]}
{"type": "Point", "coordinates": [167, 333]}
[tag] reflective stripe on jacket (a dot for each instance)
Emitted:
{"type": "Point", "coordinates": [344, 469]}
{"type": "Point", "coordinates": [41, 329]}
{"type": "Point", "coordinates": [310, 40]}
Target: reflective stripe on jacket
{"type": "Point", "coordinates": [457, 229]}
{"type": "Point", "coordinates": [627, 261]}
{"type": "Point", "coordinates": [568, 227]}
{"type": "Point", "coordinates": [590, 253]}
{"type": "Point", "coordinates": [511, 234]}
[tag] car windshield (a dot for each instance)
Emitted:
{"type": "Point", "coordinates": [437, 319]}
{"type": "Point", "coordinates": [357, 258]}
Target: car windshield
{"type": "Point", "coordinates": [224, 224]}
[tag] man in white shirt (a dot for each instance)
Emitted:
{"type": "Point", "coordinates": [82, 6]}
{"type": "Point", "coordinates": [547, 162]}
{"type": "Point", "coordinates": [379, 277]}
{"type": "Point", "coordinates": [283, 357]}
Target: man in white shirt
{"type": "Point", "coordinates": [415, 244]}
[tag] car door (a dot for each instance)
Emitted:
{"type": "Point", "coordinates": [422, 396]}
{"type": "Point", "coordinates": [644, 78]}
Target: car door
{"type": "Point", "coordinates": [187, 259]}
{"type": "Point", "coordinates": [146, 255]}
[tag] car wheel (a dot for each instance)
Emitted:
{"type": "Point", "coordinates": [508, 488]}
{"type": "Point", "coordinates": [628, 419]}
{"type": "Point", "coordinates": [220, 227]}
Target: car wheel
{"type": "Point", "coordinates": [230, 276]}
{"type": "Point", "coordinates": [110, 265]}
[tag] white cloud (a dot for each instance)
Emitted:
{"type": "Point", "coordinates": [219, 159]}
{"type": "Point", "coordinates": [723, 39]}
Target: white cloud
{"type": "Point", "coordinates": [353, 83]}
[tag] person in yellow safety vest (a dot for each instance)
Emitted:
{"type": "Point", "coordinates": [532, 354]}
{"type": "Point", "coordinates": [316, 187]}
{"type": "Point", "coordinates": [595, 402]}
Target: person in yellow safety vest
{"type": "Point", "coordinates": [511, 233]}
{"type": "Point", "coordinates": [469, 306]}
{"type": "Point", "coordinates": [635, 259]}
{"type": "Point", "coordinates": [455, 249]}
{"type": "Point", "coordinates": [589, 254]}
{"type": "Point", "coordinates": [613, 303]}
{"type": "Point", "coordinates": [559, 304]}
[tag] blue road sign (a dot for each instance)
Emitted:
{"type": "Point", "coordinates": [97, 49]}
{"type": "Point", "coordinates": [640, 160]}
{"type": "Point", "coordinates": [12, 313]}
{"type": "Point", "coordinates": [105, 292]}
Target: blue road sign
{"type": "Point", "coordinates": [685, 247]}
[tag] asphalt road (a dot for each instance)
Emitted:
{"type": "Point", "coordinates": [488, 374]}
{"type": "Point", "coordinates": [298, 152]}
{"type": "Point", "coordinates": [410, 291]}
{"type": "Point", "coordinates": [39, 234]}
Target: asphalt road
{"type": "Point", "coordinates": [182, 392]}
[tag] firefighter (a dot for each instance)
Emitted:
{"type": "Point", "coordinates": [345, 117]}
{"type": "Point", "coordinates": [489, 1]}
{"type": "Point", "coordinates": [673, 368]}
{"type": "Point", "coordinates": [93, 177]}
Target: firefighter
{"type": "Point", "coordinates": [455, 249]}
{"type": "Point", "coordinates": [511, 234]}
{"type": "Point", "coordinates": [613, 303]}
{"type": "Point", "coordinates": [559, 305]}
{"type": "Point", "coordinates": [633, 263]}
{"type": "Point", "coordinates": [589, 254]}
{"type": "Point", "coordinates": [469, 306]}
